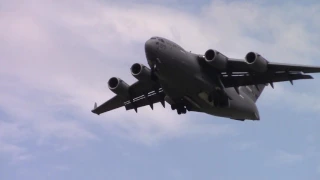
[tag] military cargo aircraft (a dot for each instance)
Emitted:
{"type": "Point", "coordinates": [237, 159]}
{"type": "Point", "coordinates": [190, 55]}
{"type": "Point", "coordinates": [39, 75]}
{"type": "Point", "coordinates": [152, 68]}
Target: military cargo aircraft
{"type": "Point", "coordinates": [211, 83]}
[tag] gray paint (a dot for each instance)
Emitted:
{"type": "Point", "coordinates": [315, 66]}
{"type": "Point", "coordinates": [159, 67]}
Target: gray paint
{"type": "Point", "coordinates": [186, 77]}
{"type": "Point", "coordinates": [182, 73]}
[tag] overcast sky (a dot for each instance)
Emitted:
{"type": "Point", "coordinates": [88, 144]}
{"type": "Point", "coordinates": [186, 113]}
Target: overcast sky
{"type": "Point", "coordinates": [56, 59]}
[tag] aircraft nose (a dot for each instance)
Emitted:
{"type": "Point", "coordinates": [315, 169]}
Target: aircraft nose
{"type": "Point", "coordinates": [151, 49]}
{"type": "Point", "coordinates": [150, 45]}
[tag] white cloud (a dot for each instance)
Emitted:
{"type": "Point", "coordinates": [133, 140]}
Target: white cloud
{"type": "Point", "coordinates": [244, 146]}
{"type": "Point", "coordinates": [58, 57]}
{"type": "Point", "coordinates": [9, 148]}
{"type": "Point", "coordinates": [287, 158]}
{"type": "Point", "coordinates": [298, 100]}
{"type": "Point", "coordinates": [14, 152]}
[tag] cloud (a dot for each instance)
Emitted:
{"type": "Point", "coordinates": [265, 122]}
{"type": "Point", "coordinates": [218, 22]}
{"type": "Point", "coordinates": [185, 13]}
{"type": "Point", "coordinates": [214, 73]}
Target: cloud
{"type": "Point", "coordinates": [244, 146]}
{"type": "Point", "coordinates": [301, 97]}
{"type": "Point", "coordinates": [286, 158]}
{"type": "Point", "coordinates": [309, 154]}
{"type": "Point", "coordinates": [15, 153]}
{"type": "Point", "coordinates": [10, 137]}
{"type": "Point", "coordinates": [12, 149]}
{"type": "Point", "coordinates": [58, 57]}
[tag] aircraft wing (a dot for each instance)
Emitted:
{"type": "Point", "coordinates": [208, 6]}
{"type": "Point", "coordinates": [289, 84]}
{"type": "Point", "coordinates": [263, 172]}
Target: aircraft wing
{"type": "Point", "coordinates": [109, 105]}
{"type": "Point", "coordinates": [145, 101]}
{"type": "Point", "coordinates": [238, 65]}
{"type": "Point", "coordinates": [139, 91]}
{"type": "Point", "coordinates": [245, 79]}
{"type": "Point", "coordinates": [243, 75]}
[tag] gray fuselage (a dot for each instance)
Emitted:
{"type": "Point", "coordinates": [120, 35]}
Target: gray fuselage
{"type": "Point", "coordinates": [181, 76]}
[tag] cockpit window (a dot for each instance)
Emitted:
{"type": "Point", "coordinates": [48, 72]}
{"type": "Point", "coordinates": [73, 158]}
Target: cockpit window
{"type": "Point", "coordinates": [161, 40]}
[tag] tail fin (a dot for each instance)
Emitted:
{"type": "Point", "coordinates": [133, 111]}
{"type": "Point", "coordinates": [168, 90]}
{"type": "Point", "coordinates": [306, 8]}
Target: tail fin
{"type": "Point", "coordinates": [253, 91]}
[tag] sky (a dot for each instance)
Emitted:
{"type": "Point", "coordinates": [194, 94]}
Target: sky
{"type": "Point", "coordinates": [56, 59]}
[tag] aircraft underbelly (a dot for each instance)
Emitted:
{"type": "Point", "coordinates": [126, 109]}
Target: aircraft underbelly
{"type": "Point", "coordinates": [241, 107]}
{"type": "Point", "coordinates": [178, 76]}
{"type": "Point", "coordinates": [183, 78]}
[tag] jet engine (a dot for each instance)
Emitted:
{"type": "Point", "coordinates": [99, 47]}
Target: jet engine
{"type": "Point", "coordinates": [216, 59]}
{"type": "Point", "coordinates": [140, 72]}
{"type": "Point", "coordinates": [256, 62]}
{"type": "Point", "coordinates": [118, 86]}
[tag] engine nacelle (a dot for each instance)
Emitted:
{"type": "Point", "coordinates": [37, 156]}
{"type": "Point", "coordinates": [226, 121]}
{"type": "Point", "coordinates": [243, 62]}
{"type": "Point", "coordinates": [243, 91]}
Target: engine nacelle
{"type": "Point", "coordinates": [216, 59]}
{"type": "Point", "coordinates": [141, 72]}
{"type": "Point", "coordinates": [256, 62]}
{"type": "Point", "coordinates": [118, 86]}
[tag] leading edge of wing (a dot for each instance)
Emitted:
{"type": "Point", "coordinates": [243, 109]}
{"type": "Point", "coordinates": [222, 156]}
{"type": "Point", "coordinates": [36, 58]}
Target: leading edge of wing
{"type": "Point", "coordinates": [293, 67]}
{"type": "Point", "coordinates": [113, 103]}
{"type": "Point", "coordinates": [239, 65]}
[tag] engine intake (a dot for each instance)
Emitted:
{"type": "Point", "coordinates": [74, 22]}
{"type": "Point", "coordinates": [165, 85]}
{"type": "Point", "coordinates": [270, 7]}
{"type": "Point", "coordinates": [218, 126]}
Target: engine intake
{"type": "Point", "coordinates": [216, 59]}
{"type": "Point", "coordinates": [256, 62]}
{"type": "Point", "coordinates": [140, 72]}
{"type": "Point", "coordinates": [118, 86]}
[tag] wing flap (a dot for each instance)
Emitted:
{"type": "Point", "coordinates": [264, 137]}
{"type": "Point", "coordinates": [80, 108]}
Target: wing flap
{"type": "Point", "coordinates": [239, 65]}
{"type": "Point", "coordinates": [140, 88]}
{"type": "Point", "coordinates": [141, 101]}
{"type": "Point", "coordinates": [137, 91]}
{"type": "Point", "coordinates": [246, 79]}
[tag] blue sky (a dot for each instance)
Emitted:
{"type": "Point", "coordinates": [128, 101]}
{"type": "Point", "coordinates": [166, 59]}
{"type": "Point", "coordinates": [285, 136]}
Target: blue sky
{"type": "Point", "coordinates": [58, 56]}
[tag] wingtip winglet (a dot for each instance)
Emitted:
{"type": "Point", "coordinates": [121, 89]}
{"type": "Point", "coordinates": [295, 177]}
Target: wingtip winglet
{"type": "Point", "coordinates": [94, 109]}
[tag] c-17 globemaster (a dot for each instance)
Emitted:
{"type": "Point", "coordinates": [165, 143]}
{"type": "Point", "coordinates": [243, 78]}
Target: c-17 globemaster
{"type": "Point", "coordinates": [211, 83]}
